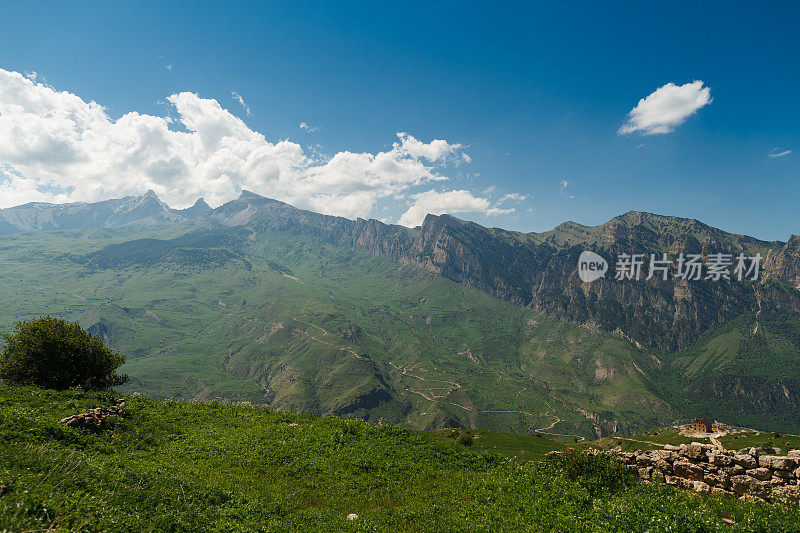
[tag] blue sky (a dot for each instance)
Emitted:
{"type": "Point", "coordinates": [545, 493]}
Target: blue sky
{"type": "Point", "coordinates": [534, 94]}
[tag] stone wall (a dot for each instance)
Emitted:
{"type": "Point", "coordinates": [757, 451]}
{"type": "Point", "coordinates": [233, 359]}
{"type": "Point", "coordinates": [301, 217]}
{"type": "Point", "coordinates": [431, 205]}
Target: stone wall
{"type": "Point", "coordinates": [707, 468]}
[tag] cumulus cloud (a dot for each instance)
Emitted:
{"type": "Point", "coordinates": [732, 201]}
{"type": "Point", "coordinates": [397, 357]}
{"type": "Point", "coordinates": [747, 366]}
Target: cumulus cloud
{"type": "Point", "coordinates": [434, 151]}
{"type": "Point", "coordinates": [56, 147]}
{"type": "Point", "coordinates": [776, 152]}
{"type": "Point", "coordinates": [460, 201]}
{"type": "Point", "coordinates": [666, 108]}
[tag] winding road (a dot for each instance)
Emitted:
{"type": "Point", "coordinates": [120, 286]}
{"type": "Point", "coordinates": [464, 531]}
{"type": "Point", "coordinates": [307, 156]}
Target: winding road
{"type": "Point", "coordinates": [429, 394]}
{"type": "Point", "coordinates": [325, 332]}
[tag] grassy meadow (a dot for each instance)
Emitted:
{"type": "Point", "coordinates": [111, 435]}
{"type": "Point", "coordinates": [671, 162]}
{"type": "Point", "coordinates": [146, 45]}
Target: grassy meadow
{"type": "Point", "coordinates": [182, 466]}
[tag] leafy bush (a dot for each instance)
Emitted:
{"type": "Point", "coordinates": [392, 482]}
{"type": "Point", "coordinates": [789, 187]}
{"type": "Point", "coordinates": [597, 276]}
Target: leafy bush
{"type": "Point", "coordinates": [465, 438]}
{"type": "Point", "coordinates": [599, 474]}
{"type": "Point", "coordinates": [55, 354]}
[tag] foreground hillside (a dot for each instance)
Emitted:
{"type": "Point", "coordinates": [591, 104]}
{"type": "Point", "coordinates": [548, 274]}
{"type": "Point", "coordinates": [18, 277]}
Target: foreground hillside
{"type": "Point", "coordinates": [174, 466]}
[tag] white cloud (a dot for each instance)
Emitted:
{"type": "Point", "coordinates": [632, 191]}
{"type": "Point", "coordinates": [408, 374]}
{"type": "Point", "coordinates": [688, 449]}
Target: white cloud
{"type": "Point", "coordinates": [434, 151]}
{"type": "Point", "coordinates": [437, 203]}
{"type": "Point", "coordinates": [308, 129]}
{"type": "Point", "coordinates": [775, 152]}
{"type": "Point", "coordinates": [666, 108]}
{"type": "Point", "coordinates": [514, 196]}
{"type": "Point", "coordinates": [56, 147]}
{"type": "Point", "coordinates": [238, 97]}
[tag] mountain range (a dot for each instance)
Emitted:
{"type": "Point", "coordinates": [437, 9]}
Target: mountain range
{"type": "Point", "coordinates": [258, 300]}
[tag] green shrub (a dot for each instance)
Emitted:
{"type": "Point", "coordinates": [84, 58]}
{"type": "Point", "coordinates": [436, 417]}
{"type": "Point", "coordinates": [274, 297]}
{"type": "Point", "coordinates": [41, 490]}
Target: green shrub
{"type": "Point", "coordinates": [465, 438]}
{"type": "Point", "coordinates": [599, 473]}
{"type": "Point", "coordinates": [55, 354]}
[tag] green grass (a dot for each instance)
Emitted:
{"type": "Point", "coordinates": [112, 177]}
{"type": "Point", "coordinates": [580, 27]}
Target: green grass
{"type": "Point", "coordinates": [176, 466]}
{"type": "Point", "coordinates": [509, 444]}
{"type": "Point", "coordinates": [758, 439]}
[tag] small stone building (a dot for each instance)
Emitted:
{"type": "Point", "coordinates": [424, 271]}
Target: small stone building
{"type": "Point", "coordinates": [705, 426]}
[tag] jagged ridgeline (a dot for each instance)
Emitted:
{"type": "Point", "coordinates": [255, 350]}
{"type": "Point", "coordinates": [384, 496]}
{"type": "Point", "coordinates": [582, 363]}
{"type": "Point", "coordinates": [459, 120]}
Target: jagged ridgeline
{"type": "Point", "coordinates": [446, 324]}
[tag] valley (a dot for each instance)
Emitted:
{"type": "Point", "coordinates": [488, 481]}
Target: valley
{"type": "Point", "coordinates": [256, 301]}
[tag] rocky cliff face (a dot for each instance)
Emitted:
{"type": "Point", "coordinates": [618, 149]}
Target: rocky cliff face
{"type": "Point", "coordinates": [785, 262]}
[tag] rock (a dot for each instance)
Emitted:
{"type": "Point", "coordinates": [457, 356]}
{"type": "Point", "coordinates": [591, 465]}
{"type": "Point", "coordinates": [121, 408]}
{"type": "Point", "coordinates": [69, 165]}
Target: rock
{"type": "Point", "coordinates": [761, 474]}
{"type": "Point", "coordinates": [794, 454]}
{"type": "Point", "coordinates": [745, 460]}
{"type": "Point", "coordinates": [95, 419]}
{"type": "Point", "coordinates": [720, 459]}
{"type": "Point", "coordinates": [663, 455]}
{"type": "Point", "coordinates": [352, 516]}
{"type": "Point", "coordinates": [736, 470]}
{"type": "Point", "coordinates": [782, 474]}
{"type": "Point", "coordinates": [688, 470]}
{"type": "Point", "coordinates": [777, 462]}
{"type": "Point", "coordinates": [700, 486]}
{"type": "Point", "coordinates": [720, 492]}
{"type": "Point", "coordinates": [749, 485]}
{"type": "Point", "coordinates": [718, 480]}
{"type": "Point", "coordinates": [693, 451]}
{"type": "Point", "coordinates": [663, 466]}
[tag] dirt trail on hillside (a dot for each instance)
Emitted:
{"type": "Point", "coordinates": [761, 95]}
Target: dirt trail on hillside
{"type": "Point", "coordinates": [325, 332]}
{"type": "Point", "coordinates": [431, 396]}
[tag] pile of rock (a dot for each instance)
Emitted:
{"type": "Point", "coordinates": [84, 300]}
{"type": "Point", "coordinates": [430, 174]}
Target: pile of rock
{"type": "Point", "coordinates": [95, 419]}
{"type": "Point", "coordinates": [707, 468]}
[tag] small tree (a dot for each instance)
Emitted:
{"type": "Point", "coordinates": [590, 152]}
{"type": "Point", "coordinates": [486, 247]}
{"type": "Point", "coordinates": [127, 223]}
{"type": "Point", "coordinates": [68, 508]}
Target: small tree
{"type": "Point", "coordinates": [56, 354]}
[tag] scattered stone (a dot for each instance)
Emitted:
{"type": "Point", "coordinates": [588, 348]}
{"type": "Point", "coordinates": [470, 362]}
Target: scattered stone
{"type": "Point", "coordinates": [95, 419]}
{"type": "Point", "coordinates": [352, 516]}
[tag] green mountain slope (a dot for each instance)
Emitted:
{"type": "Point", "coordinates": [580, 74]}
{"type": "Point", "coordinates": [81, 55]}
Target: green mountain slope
{"type": "Point", "coordinates": [302, 325]}
{"type": "Point", "coordinates": [447, 324]}
{"type": "Point", "coordinates": [746, 372]}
